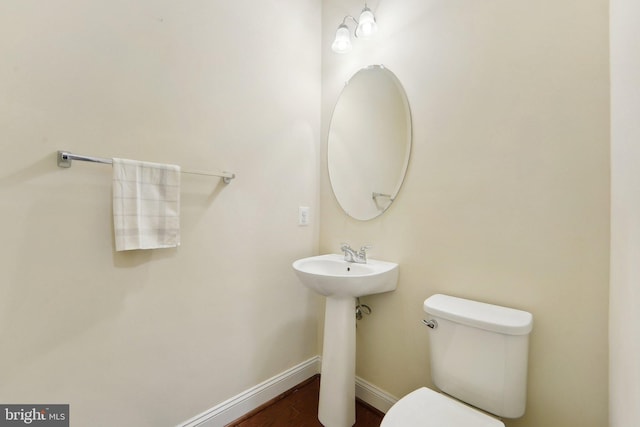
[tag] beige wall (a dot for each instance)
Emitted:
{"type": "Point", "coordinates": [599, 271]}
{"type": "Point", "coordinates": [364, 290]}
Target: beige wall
{"type": "Point", "coordinates": [506, 199]}
{"type": "Point", "coordinates": [624, 328]}
{"type": "Point", "coordinates": [507, 194]}
{"type": "Point", "coordinates": [153, 338]}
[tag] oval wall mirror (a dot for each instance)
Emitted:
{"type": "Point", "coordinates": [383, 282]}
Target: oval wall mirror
{"type": "Point", "coordinates": [369, 142]}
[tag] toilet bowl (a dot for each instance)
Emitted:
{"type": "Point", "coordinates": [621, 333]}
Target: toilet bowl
{"type": "Point", "coordinates": [425, 407]}
{"type": "Point", "coordinates": [479, 358]}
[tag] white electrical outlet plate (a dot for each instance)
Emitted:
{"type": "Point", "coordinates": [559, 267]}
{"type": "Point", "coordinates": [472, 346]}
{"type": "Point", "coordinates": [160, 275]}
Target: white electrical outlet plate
{"type": "Point", "coordinates": [303, 215]}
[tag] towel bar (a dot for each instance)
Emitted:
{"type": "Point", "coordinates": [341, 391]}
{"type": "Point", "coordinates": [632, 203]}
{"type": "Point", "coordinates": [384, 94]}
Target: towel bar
{"type": "Point", "coordinates": [65, 158]}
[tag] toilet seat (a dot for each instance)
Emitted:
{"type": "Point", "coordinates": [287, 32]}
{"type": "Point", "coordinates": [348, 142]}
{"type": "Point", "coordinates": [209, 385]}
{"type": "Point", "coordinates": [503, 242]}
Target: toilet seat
{"type": "Point", "coordinates": [425, 407]}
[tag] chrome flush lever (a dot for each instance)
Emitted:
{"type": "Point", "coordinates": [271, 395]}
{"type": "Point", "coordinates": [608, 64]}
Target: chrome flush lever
{"type": "Point", "coordinates": [430, 323]}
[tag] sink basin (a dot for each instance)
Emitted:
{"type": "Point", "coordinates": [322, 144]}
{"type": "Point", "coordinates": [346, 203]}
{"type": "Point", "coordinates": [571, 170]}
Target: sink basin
{"type": "Point", "coordinates": [332, 276]}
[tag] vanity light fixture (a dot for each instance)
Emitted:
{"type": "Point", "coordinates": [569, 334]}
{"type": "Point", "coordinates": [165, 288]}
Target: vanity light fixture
{"type": "Point", "coordinates": [365, 27]}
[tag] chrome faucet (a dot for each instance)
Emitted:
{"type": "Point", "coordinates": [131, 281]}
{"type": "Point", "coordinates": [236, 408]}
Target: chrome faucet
{"type": "Point", "coordinates": [350, 255]}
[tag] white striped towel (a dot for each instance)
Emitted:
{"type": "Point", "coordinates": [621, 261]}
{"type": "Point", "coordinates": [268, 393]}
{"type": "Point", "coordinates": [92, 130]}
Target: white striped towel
{"type": "Point", "coordinates": [146, 205]}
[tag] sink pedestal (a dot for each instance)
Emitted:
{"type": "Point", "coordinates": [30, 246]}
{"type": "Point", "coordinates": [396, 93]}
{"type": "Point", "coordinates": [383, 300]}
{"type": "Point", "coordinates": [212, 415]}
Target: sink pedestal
{"type": "Point", "coordinates": [337, 406]}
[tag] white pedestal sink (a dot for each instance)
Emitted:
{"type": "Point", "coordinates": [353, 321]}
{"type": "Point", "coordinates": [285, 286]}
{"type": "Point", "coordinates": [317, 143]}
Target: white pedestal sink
{"type": "Point", "coordinates": [341, 282]}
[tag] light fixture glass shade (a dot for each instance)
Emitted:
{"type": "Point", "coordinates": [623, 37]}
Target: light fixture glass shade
{"type": "Point", "coordinates": [366, 24]}
{"type": "Point", "coordinates": [342, 42]}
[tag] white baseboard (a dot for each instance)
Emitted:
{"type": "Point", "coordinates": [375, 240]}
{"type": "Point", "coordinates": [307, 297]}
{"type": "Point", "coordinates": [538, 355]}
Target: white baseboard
{"type": "Point", "coordinates": [232, 409]}
{"type": "Point", "coordinates": [245, 402]}
{"type": "Point", "coordinates": [374, 396]}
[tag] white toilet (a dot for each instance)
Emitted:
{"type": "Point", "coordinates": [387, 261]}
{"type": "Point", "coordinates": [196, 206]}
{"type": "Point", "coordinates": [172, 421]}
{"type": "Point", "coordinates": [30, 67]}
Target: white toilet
{"type": "Point", "coordinates": [479, 355]}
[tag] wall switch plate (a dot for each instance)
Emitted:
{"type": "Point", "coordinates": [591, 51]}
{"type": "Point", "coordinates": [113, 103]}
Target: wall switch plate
{"type": "Point", "coordinates": [303, 215]}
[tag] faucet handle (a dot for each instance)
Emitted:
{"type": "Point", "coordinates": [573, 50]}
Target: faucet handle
{"type": "Point", "coordinates": [362, 255]}
{"type": "Point", "coordinates": [344, 246]}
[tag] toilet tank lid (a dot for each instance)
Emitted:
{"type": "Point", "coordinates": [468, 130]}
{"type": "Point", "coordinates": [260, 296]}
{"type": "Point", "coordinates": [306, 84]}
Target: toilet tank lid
{"type": "Point", "coordinates": [481, 315]}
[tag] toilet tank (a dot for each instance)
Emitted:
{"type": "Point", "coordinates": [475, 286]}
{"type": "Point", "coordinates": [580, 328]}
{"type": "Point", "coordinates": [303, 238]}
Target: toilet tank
{"type": "Point", "coordinates": [479, 353]}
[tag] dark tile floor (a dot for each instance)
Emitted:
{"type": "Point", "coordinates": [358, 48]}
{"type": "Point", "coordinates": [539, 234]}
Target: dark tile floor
{"type": "Point", "coordinates": [298, 407]}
